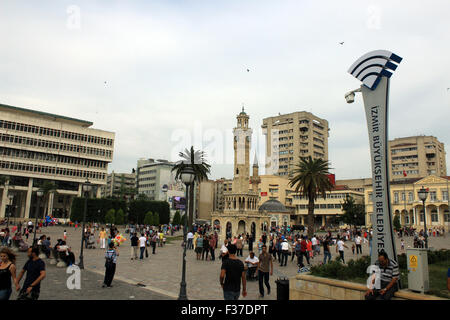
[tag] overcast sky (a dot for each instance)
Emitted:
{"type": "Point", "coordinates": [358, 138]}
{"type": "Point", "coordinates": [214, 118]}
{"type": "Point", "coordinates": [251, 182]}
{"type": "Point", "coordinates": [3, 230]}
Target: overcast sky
{"type": "Point", "coordinates": [178, 68]}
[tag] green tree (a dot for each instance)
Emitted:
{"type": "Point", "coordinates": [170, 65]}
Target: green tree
{"type": "Point", "coordinates": [397, 224]}
{"type": "Point", "coordinates": [120, 217]}
{"type": "Point", "coordinates": [176, 218]}
{"type": "Point", "coordinates": [183, 219]}
{"type": "Point", "coordinates": [148, 220]}
{"type": "Point", "coordinates": [195, 160]}
{"type": "Point", "coordinates": [110, 216]}
{"type": "Point", "coordinates": [155, 219]}
{"type": "Point", "coordinates": [310, 178]}
{"type": "Point", "coordinates": [354, 213]}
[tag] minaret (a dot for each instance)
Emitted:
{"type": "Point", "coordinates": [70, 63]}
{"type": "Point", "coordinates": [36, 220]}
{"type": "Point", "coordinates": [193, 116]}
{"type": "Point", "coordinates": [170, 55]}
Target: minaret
{"type": "Point", "coordinates": [242, 139]}
{"type": "Point", "coordinates": [255, 180]}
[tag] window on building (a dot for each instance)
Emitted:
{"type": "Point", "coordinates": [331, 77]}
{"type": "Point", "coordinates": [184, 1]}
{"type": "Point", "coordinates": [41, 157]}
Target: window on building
{"type": "Point", "coordinates": [395, 197]}
{"type": "Point", "coordinates": [445, 195]}
{"type": "Point", "coordinates": [433, 195]}
{"type": "Point", "coordinates": [434, 217]}
{"type": "Point", "coordinates": [410, 196]}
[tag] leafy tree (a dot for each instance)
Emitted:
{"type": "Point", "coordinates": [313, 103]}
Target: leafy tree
{"type": "Point", "coordinates": [354, 213]}
{"type": "Point", "coordinates": [397, 224]}
{"type": "Point", "coordinates": [155, 219]}
{"type": "Point", "coordinates": [176, 218]}
{"type": "Point", "coordinates": [195, 160]}
{"type": "Point", "coordinates": [120, 217]}
{"type": "Point", "coordinates": [148, 220]}
{"type": "Point", "coordinates": [110, 216]}
{"type": "Point", "coordinates": [142, 196]}
{"type": "Point", "coordinates": [183, 219]}
{"type": "Point", "coordinates": [311, 179]}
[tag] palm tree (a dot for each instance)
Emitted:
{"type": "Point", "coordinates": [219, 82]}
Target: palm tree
{"type": "Point", "coordinates": [47, 188]}
{"type": "Point", "coordinates": [195, 160]}
{"type": "Point", "coordinates": [311, 179]}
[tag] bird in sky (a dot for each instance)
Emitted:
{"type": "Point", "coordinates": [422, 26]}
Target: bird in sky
{"type": "Point", "coordinates": [341, 43]}
{"type": "Point", "coordinates": [248, 70]}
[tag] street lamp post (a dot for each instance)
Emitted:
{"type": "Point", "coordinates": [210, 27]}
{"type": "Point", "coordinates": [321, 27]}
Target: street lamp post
{"type": "Point", "coordinates": [11, 197]}
{"type": "Point", "coordinates": [187, 177]}
{"type": "Point", "coordinates": [87, 187]}
{"type": "Point", "coordinates": [423, 194]}
{"type": "Point", "coordinates": [39, 194]}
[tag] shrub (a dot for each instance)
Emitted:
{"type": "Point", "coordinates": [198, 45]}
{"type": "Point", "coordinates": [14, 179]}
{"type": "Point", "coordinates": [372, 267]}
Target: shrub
{"type": "Point", "coordinates": [176, 218]}
{"type": "Point", "coordinates": [183, 220]}
{"type": "Point", "coordinates": [148, 220]}
{"type": "Point", "coordinates": [155, 219]}
{"type": "Point", "coordinates": [337, 270]}
{"type": "Point", "coordinates": [110, 216]}
{"type": "Point", "coordinates": [120, 217]}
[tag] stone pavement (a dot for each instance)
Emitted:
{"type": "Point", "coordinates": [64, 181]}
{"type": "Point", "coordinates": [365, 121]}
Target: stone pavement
{"type": "Point", "coordinates": [54, 286]}
{"type": "Point", "coordinates": [161, 273]}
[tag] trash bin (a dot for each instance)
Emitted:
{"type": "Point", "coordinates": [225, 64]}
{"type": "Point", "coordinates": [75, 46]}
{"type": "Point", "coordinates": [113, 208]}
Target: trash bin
{"type": "Point", "coordinates": [282, 288]}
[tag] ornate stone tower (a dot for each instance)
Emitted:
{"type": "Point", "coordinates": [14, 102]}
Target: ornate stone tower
{"type": "Point", "coordinates": [240, 213]}
{"type": "Point", "coordinates": [242, 141]}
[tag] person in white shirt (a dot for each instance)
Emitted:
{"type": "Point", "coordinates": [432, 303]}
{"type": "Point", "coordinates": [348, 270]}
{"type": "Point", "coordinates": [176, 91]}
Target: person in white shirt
{"type": "Point", "coordinates": [224, 250]}
{"type": "Point", "coordinates": [190, 238]}
{"type": "Point", "coordinates": [285, 247]}
{"type": "Point", "coordinates": [358, 240]}
{"type": "Point", "coordinates": [340, 246]}
{"type": "Point", "coordinates": [252, 265]}
{"type": "Point", "coordinates": [142, 244]}
{"type": "Point", "coordinates": [314, 244]}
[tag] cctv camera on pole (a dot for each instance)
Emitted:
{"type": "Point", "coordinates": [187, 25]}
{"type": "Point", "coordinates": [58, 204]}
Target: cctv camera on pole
{"type": "Point", "coordinates": [374, 71]}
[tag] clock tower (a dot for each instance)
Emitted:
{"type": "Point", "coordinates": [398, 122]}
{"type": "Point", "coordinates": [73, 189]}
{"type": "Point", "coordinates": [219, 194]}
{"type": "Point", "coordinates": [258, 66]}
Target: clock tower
{"type": "Point", "coordinates": [242, 141]}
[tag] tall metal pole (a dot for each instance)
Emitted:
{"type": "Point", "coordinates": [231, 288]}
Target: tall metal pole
{"type": "Point", "coordinates": [425, 225]}
{"type": "Point", "coordinates": [183, 293]}
{"type": "Point", "coordinates": [81, 265]}
{"type": "Point", "coordinates": [36, 220]}
{"type": "Point", "coordinates": [448, 208]}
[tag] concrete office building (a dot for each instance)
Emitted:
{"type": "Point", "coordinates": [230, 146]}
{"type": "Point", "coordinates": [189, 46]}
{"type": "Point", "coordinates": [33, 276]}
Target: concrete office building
{"type": "Point", "coordinates": [294, 135]}
{"type": "Point", "coordinates": [36, 147]}
{"type": "Point", "coordinates": [418, 156]}
{"type": "Point", "coordinates": [152, 175]}
{"type": "Point", "coordinates": [220, 186]}
{"type": "Point", "coordinates": [119, 185]}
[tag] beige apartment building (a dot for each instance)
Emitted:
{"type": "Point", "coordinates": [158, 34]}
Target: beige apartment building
{"type": "Point", "coordinates": [294, 135]}
{"type": "Point", "coordinates": [119, 185]}
{"type": "Point", "coordinates": [418, 156]}
{"type": "Point", "coordinates": [406, 202]}
{"type": "Point", "coordinates": [36, 147]}
{"type": "Point", "coordinates": [220, 186]}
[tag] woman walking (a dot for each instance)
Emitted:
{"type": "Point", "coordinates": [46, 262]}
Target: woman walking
{"type": "Point", "coordinates": [7, 271]}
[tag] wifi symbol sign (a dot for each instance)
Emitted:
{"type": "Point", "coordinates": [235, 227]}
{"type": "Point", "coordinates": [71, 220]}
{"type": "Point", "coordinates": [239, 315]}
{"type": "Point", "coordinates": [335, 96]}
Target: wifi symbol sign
{"type": "Point", "coordinates": [374, 65]}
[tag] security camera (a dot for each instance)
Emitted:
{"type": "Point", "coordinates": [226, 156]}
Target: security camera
{"type": "Point", "coordinates": [350, 97]}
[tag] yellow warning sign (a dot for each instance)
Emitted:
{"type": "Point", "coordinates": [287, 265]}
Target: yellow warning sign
{"type": "Point", "coordinates": [413, 261]}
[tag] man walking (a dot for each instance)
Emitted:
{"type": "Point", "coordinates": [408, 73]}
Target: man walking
{"type": "Point", "coordinates": [358, 240]}
{"type": "Point", "coordinates": [326, 250]}
{"type": "Point", "coordinates": [142, 243]}
{"type": "Point", "coordinates": [284, 252]}
{"type": "Point", "coordinates": [190, 238]}
{"type": "Point", "coordinates": [134, 245]}
{"type": "Point", "coordinates": [265, 267]}
{"type": "Point", "coordinates": [340, 246]}
{"type": "Point", "coordinates": [35, 269]}
{"type": "Point", "coordinates": [239, 246]}
{"type": "Point", "coordinates": [212, 247]}
{"type": "Point", "coordinates": [231, 274]}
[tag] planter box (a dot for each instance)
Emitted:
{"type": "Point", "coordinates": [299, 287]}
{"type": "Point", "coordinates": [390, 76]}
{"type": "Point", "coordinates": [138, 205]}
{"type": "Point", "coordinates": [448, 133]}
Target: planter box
{"type": "Point", "coordinates": [307, 287]}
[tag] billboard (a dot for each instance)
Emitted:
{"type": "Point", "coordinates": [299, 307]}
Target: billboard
{"type": "Point", "coordinates": [178, 203]}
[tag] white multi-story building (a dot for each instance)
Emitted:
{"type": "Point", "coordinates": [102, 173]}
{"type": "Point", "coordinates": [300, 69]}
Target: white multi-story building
{"type": "Point", "coordinates": [36, 147]}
